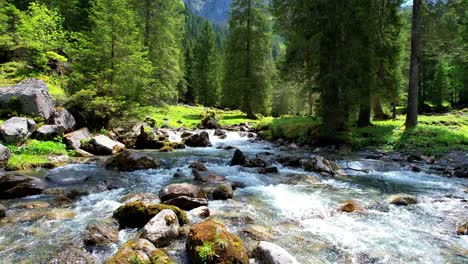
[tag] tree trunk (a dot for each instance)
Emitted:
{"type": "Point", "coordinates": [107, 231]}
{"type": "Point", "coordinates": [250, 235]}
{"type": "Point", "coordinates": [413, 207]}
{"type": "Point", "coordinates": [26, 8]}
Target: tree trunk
{"type": "Point", "coordinates": [379, 114]}
{"type": "Point", "coordinates": [310, 102]}
{"type": "Point", "coordinates": [364, 114]}
{"type": "Point", "coordinates": [412, 111]}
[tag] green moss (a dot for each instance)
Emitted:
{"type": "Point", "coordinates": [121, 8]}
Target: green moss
{"type": "Point", "coordinates": [188, 116]}
{"type": "Point", "coordinates": [159, 257]}
{"type": "Point", "coordinates": [27, 161]}
{"type": "Point", "coordinates": [206, 251]}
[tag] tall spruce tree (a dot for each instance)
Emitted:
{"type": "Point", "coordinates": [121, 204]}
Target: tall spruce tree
{"type": "Point", "coordinates": [163, 25]}
{"type": "Point", "coordinates": [205, 67]}
{"type": "Point", "coordinates": [248, 61]}
{"type": "Point", "coordinates": [115, 61]}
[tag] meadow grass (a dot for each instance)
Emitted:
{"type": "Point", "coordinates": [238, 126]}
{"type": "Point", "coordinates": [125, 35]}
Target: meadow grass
{"type": "Point", "coordinates": [34, 153]}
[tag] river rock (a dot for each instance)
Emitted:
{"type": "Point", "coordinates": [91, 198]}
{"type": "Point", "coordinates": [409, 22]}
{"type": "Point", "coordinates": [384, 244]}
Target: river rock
{"type": "Point", "coordinates": [102, 145]}
{"type": "Point", "coordinates": [48, 132]}
{"type": "Point", "coordinates": [146, 137]}
{"type": "Point", "coordinates": [100, 235]}
{"type": "Point", "coordinates": [350, 206]}
{"type": "Point", "coordinates": [32, 96]}
{"type": "Point", "coordinates": [181, 189]}
{"type": "Point", "coordinates": [187, 203]}
{"type": "Point", "coordinates": [2, 211]}
{"type": "Point", "coordinates": [71, 254]}
{"type": "Point", "coordinates": [16, 130]}
{"type": "Point", "coordinates": [257, 232]}
{"type": "Point", "coordinates": [60, 214]}
{"type": "Point", "coordinates": [162, 229]}
{"type": "Point", "coordinates": [146, 198]}
{"type": "Point", "coordinates": [137, 214]}
{"type": "Point", "coordinates": [75, 139]}
{"type": "Point", "coordinates": [63, 118]}
{"type": "Point", "coordinates": [321, 165]}
{"type": "Point", "coordinates": [139, 251]}
{"type": "Point", "coordinates": [198, 166]}
{"type": "Point", "coordinates": [198, 140]}
{"type": "Point", "coordinates": [207, 177]}
{"type": "Point", "coordinates": [222, 191]}
{"type": "Point", "coordinates": [202, 212]}
{"type": "Point", "coordinates": [206, 237]}
{"type": "Point", "coordinates": [402, 199]}
{"type": "Point", "coordinates": [270, 253]}
{"type": "Point", "coordinates": [130, 161]}
{"type": "Point", "coordinates": [4, 156]}
{"type": "Point", "coordinates": [210, 122]}
{"type": "Point", "coordinates": [238, 158]}
{"type": "Point", "coordinates": [463, 229]}
{"type": "Point", "coordinates": [17, 186]}
{"type": "Point", "coordinates": [298, 178]}
{"type": "Point", "coordinates": [220, 133]}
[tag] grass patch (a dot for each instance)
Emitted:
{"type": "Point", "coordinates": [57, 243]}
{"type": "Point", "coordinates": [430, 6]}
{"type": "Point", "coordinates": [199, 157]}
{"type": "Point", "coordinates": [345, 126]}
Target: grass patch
{"type": "Point", "coordinates": [435, 134]}
{"type": "Point", "coordinates": [176, 116]}
{"type": "Point", "coordinates": [34, 154]}
{"type": "Point", "coordinates": [298, 129]}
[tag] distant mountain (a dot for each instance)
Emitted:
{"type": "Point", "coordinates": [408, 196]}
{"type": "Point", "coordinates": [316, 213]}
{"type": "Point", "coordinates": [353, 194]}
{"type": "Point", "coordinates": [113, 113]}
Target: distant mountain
{"type": "Point", "coordinates": [217, 11]}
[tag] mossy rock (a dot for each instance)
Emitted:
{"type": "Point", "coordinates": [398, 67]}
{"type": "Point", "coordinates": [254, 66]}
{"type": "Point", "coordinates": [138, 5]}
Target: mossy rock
{"type": "Point", "coordinates": [139, 251]}
{"type": "Point", "coordinates": [137, 214]}
{"type": "Point", "coordinates": [166, 148]}
{"type": "Point", "coordinates": [209, 242]}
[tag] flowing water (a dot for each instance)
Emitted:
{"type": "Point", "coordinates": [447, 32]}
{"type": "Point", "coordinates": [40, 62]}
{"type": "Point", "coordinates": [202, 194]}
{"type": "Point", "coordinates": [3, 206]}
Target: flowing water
{"type": "Point", "coordinates": [302, 218]}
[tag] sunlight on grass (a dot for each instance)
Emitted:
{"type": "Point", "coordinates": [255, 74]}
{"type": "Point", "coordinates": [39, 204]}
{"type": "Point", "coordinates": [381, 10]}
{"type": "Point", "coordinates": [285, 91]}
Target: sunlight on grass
{"type": "Point", "coordinates": [34, 154]}
{"type": "Point", "coordinates": [189, 116]}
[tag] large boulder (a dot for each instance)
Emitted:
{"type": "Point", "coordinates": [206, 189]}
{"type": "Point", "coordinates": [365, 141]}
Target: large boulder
{"type": "Point", "coordinates": [4, 156]}
{"type": "Point", "coordinates": [16, 130]}
{"type": "Point", "coordinates": [139, 251]}
{"type": "Point", "coordinates": [71, 254]}
{"type": "Point", "coordinates": [47, 132]}
{"type": "Point", "coordinates": [63, 118]}
{"type": "Point", "coordinates": [222, 191]}
{"type": "Point", "coordinates": [207, 177]}
{"type": "Point", "coordinates": [76, 139]}
{"type": "Point", "coordinates": [16, 186]}
{"type": "Point", "coordinates": [102, 145]}
{"type": "Point", "coordinates": [137, 214]}
{"type": "Point", "coordinates": [131, 161]}
{"type": "Point", "coordinates": [209, 242]}
{"type": "Point", "coordinates": [198, 140]}
{"type": "Point", "coordinates": [31, 96]}
{"type": "Point", "coordinates": [100, 235]}
{"type": "Point", "coordinates": [162, 229]}
{"type": "Point", "coordinates": [270, 253]}
{"type": "Point", "coordinates": [187, 203]}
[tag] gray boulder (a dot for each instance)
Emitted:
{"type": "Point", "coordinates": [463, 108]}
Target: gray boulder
{"type": "Point", "coordinates": [4, 156]}
{"type": "Point", "coordinates": [47, 132]}
{"type": "Point", "coordinates": [72, 254]}
{"type": "Point", "coordinates": [16, 130]}
{"type": "Point", "coordinates": [33, 98]}
{"type": "Point", "coordinates": [162, 229]}
{"type": "Point", "coordinates": [270, 253]}
{"type": "Point", "coordinates": [64, 118]}
{"type": "Point", "coordinates": [181, 189]}
{"type": "Point", "coordinates": [187, 203]}
{"type": "Point", "coordinates": [75, 139]}
{"type": "Point", "coordinates": [130, 161]}
{"type": "Point", "coordinates": [16, 186]}
{"type": "Point", "coordinates": [101, 235]}
{"type": "Point", "coordinates": [102, 145]}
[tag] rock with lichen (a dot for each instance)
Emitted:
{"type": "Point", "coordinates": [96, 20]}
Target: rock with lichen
{"type": "Point", "coordinates": [162, 229]}
{"type": "Point", "coordinates": [209, 242]}
{"type": "Point", "coordinates": [139, 251]}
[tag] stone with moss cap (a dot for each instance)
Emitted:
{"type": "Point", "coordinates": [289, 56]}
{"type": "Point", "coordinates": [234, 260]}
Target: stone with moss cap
{"type": "Point", "coordinates": [209, 242]}
{"type": "Point", "coordinates": [138, 214]}
{"type": "Point", "coordinates": [139, 251]}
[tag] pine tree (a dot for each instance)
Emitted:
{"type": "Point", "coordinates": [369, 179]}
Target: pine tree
{"type": "Point", "coordinates": [163, 25]}
{"type": "Point", "coordinates": [206, 69]}
{"type": "Point", "coordinates": [248, 61]}
{"type": "Point", "coordinates": [115, 62]}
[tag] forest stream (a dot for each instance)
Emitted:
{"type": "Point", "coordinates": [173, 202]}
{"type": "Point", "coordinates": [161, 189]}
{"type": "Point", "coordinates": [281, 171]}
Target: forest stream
{"type": "Point", "coordinates": [301, 217]}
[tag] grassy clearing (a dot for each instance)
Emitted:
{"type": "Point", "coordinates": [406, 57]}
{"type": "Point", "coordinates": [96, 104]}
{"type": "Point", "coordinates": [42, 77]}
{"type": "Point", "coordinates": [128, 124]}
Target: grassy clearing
{"type": "Point", "coordinates": [34, 154]}
{"type": "Point", "coordinates": [189, 116]}
{"type": "Point", "coordinates": [435, 134]}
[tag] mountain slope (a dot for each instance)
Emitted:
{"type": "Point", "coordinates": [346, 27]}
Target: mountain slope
{"type": "Point", "coordinates": [217, 11]}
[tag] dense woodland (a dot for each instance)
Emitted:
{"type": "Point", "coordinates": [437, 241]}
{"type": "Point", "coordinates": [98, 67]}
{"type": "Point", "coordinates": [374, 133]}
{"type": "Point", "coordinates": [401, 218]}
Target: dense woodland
{"type": "Point", "coordinates": [346, 62]}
